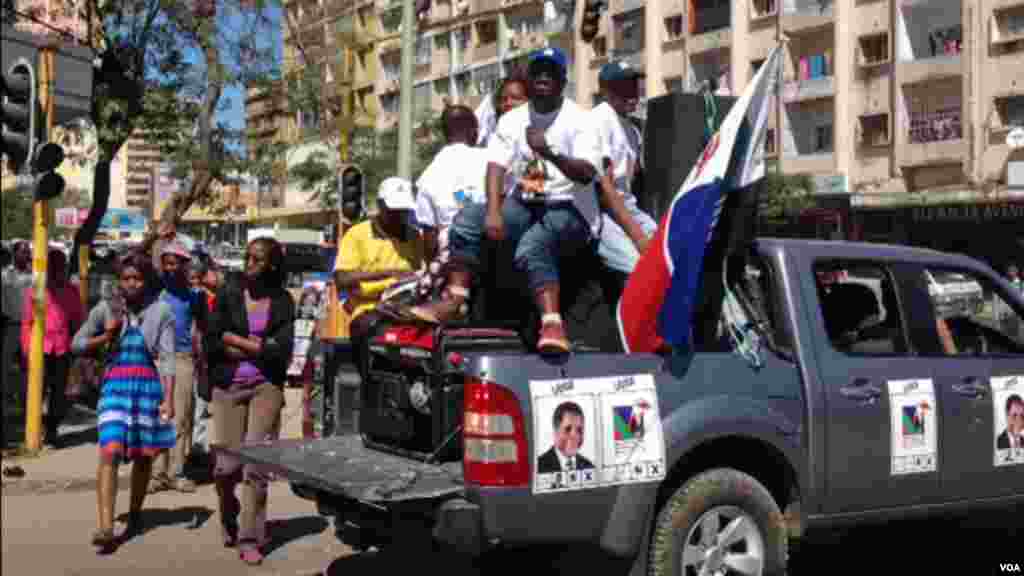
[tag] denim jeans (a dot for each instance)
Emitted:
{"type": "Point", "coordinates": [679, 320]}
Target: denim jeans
{"type": "Point", "coordinates": [615, 248]}
{"type": "Point", "coordinates": [540, 233]}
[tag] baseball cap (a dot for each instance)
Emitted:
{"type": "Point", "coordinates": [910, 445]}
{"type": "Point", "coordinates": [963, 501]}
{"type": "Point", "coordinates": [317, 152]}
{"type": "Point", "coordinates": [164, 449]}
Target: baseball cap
{"type": "Point", "coordinates": [176, 248]}
{"type": "Point", "coordinates": [550, 54]}
{"type": "Point", "coordinates": [619, 70]}
{"type": "Point", "coordinates": [396, 194]}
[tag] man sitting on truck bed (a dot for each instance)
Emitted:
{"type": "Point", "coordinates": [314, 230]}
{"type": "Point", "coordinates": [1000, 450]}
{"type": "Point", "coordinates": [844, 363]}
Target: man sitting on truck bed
{"type": "Point", "coordinates": [375, 254]}
{"type": "Point", "coordinates": [554, 153]}
{"type": "Point", "coordinates": [453, 180]}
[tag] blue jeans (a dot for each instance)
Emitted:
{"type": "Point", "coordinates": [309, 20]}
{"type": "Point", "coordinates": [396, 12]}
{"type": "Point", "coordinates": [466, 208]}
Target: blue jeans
{"type": "Point", "coordinates": [615, 248]}
{"type": "Point", "coordinates": [540, 233]}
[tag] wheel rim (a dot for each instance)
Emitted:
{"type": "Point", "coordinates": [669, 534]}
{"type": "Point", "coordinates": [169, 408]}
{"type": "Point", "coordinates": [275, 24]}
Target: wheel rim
{"type": "Point", "coordinates": [724, 541]}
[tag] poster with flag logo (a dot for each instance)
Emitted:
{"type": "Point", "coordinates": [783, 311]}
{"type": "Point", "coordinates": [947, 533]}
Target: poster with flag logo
{"type": "Point", "coordinates": [663, 292]}
{"type": "Point", "coordinates": [914, 427]}
{"type": "Point", "coordinates": [596, 432]}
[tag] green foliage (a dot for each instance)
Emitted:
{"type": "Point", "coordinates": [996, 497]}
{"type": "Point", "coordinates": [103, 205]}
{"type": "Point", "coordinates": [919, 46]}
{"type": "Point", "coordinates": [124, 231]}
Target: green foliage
{"type": "Point", "coordinates": [17, 214]}
{"type": "Point", "coordinates": [785, 195]}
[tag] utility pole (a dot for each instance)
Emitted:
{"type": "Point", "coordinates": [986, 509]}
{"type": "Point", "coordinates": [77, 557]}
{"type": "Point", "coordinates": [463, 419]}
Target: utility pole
{"type": "Point", "coordinates": [40, 248]}
{"type": "Point", "coordinates": [405, 91]}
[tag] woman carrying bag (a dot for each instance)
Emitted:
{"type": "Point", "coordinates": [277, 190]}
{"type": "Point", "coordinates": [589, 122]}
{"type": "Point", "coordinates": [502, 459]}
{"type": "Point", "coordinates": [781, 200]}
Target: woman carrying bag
{"type": "Point", "coordinates": [249, 347]}
{"type": "Point", "coordinates": [135, 410]}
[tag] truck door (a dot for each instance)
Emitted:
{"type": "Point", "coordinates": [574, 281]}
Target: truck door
{"type": "Point", "coordinates": [978, 367]}
{"type": "Point", "coordinates": [880, 436]}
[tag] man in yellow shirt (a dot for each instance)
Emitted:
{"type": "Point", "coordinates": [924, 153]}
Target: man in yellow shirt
{"type": "Point", "coordinates": [374, 255]}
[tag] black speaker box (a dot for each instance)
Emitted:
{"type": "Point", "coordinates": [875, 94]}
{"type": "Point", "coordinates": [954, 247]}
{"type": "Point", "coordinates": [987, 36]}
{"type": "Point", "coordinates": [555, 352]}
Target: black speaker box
{"type": "Point", "coordinates": [673, 140]}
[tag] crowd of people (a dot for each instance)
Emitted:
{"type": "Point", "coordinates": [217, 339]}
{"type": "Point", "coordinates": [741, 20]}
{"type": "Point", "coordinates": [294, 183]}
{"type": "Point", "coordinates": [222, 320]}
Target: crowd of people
{"type": "Point", "coordinates": [182, 349]}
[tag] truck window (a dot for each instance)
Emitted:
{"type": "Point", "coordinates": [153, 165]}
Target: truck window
{"type": "Point", "coordinates": [860, 308]}
{"type": "Point", "coordinates": [974, 317]}
{"type": "Point", "coordinates": [753, 280]}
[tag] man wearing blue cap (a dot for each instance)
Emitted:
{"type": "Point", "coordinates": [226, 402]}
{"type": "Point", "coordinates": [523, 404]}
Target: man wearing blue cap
{"type": "Point", "coordinates": [553, 153]}
{"type": "Point", "coordinates": [625, 228]}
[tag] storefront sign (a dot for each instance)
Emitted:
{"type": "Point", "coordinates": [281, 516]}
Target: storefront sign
{"type": "Point", "coordinates": [968, 212]}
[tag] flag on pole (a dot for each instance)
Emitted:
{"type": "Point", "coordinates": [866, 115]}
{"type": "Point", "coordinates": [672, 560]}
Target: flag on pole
{"type": "Point", "coordinates": [658, 303]}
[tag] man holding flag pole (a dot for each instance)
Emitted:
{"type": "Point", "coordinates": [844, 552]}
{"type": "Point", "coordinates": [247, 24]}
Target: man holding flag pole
{"type": "Point", "coordinates": [658, 305]}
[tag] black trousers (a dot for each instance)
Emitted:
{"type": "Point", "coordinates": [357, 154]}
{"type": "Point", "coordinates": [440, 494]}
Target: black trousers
{"type": "Point", "coordinates": [55, 381]}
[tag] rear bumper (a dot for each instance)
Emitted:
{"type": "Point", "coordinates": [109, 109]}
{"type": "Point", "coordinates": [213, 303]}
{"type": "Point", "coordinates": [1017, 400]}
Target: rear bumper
{"type": "Point", "coordinates": [459, 524]}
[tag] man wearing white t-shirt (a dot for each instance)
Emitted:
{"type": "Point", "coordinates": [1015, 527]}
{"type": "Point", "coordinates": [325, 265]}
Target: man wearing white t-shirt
{"type": "Point", "coordinates": [625, 228]}
{"type": "Point", "coordinates": [551, 212]}
{"type": "Point", "coordinates": [454, 179]}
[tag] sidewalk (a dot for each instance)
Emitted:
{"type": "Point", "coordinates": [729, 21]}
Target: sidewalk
{"type": "Point", "coordinates": [73, 468]}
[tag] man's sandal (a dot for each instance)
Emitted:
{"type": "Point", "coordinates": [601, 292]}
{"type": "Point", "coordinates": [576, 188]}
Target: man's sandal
{"type": "Point", "coordinates": [103, 540]}
{"type": "Point", "coordinates": [449, 308]}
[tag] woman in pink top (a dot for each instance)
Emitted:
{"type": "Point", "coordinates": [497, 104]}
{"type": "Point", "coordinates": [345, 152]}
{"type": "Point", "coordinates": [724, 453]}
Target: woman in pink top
{"type": "Point", "coordinates": [63, 317]}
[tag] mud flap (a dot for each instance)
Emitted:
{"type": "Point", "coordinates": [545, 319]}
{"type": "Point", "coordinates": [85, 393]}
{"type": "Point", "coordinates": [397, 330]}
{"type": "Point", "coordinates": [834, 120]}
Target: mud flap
{"type": "Point", "coordinates": [344, 466]}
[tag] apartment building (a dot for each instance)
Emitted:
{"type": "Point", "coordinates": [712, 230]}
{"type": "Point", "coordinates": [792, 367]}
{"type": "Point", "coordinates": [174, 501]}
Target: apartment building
{"type": "Point", "coordinates": [884, 102]}
{"type": "Point", "coordinates": [266, 122]}
{"type": "Point", "coordinates": [879, 96]}
{"type": "Point", "coordinates": [134, 167]}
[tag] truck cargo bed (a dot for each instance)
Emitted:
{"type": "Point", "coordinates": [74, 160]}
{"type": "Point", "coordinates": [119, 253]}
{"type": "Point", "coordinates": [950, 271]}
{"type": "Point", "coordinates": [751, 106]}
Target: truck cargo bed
{"type": "Point", "coordinates": [344, 466]}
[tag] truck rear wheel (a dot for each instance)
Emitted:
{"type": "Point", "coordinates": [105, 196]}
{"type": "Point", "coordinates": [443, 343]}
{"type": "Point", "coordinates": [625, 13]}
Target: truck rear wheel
{"type": "Point", "coordinates": [721, 522]}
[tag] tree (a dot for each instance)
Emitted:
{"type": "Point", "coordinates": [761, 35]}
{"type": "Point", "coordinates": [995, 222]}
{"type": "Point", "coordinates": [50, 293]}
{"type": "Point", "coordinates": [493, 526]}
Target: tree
{"type": "Point", "coordinates": [16, 204]}
{"type": "Point", "coordinates": [162, 67]}
{"type": "Point", "coordinates": [785, 195]}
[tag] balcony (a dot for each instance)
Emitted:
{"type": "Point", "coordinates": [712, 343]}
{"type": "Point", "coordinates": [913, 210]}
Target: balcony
{"type": "Point", "coordinates": [795, 91]}
{"type": "Point", "coordinates": [1007, 25]}
{"type": "Point", "coordinates": [819, 163]}
{"type": "Point", "coordinates": [934, 137]}
{"type": "Point", "coordinates": [709, 41]}
{"type": "Point", "coordinates": [873, 51]}
{"type": "Point", "coordinates": [803, 15]}
{"type": "Point", "coordinates": [928, 40]}
{"type": "Point", "coordinates": [710, 67]}
{"type": "Point", "coordinates": [808, 137]}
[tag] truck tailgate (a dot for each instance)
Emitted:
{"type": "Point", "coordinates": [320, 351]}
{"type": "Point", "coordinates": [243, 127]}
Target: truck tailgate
{"type": "Point", "coordinates": [342, 465]}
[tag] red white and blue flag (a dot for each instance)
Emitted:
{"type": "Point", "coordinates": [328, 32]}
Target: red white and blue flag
{"type": "Point", "coordinates": [661, 295]}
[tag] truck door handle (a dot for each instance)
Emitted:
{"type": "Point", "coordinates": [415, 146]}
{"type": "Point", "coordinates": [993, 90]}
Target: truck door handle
{"type": "Point", "coordinates": [970, 388]}
{"type": "Point", "coordinates": [861, 390]}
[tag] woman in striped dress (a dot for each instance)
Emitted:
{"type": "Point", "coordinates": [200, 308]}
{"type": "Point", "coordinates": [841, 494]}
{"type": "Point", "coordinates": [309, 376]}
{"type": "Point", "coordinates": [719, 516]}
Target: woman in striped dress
{"type": "Point", "coordinates": [135, 411]}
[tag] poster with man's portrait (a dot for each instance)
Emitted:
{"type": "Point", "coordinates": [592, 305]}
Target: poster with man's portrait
{"type": "Point", "coordinates": [1008, 419]}
{"type": "Point", "coordinates": [565, 442]}
{"type": "Point", "coordinates": [596, 432]}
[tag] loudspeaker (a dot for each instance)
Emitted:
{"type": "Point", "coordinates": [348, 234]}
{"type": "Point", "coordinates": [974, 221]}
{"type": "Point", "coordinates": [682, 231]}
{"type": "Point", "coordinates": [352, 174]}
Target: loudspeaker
{"type": "Point", "coordinates": [673, 140]}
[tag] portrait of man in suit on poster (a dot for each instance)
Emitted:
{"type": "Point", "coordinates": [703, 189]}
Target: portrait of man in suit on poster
{"type": "Point", "coordinates": [1013, 435]}
{"type": "Point", "coordinates": [568, 425]}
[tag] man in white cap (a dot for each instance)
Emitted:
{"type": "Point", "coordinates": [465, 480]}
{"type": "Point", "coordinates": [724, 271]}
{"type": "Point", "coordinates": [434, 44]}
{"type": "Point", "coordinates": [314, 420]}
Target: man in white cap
{"type": "Point", "coordinates": [374, 255]}
{"type": "Point", "coordinates": [190, 312]}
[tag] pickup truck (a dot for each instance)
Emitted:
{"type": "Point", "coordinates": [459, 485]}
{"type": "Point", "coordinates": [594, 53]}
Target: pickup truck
{"type": "Point", "coordinates": [860, 404]}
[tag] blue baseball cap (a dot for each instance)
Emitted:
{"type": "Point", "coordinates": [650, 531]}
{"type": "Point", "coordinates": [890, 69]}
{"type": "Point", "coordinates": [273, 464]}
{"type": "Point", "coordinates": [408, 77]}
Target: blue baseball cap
{"type": "Point", "coordinates": [620, 70]}
{"type": "Point", "coordinates": [550, 54]}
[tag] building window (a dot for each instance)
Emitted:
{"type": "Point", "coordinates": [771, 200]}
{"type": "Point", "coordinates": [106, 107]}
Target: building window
{"type": "Point", "coordinates": [710, 15]}
{"type": "Point", "coordinates": [769, 141]}
{"type": "Point", "coordinates": [755, 66]}
{"type": "Point", "coordinates": [674, 84]}
{"type": "Point", "coordinates": [765, 8]}
{"type": "Point", "coordinates": [421, 96]}
{"type": "Point", "coordinates": [486, 78]}
{"type": "Point", "coordinates": [389, 103]}
{"type": "Point", "coordinates": [874, 49]}
{"type": "Point", "coordinates": [600, 46]}
{"type": "Point", "coordinates": [874, 130]}
{"type": "Point", "coordinates": [823, 138]}
{"type": "Point", "coordinates": [423, 51]}
{"type": "Point", "coordinates": [629, 32]}
{"type": "Point", "coordinates": [487, 32]}
{"type": "Point", "coordinates": [674, 27]}
{"type": "Point", "coordinates": [1011, 110]}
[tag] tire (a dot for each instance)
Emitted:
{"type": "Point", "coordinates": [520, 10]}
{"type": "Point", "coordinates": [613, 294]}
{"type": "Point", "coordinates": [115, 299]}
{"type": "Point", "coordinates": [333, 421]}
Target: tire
{"type": "Point", "coordinates": [719, 497]}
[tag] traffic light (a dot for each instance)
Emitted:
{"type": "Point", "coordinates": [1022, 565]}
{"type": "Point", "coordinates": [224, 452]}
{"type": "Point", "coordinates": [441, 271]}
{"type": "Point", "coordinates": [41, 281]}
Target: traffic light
{"type": "Point", "coordinates": [49, 184]}
{"type": "Point", "coordinates": [19, 113]}
{"type": "Point", "coordinates": [352, 190]}
{"type": "Point", "coordinates": [590, 22]}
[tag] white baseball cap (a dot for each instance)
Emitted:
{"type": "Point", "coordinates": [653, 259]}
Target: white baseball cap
{"type": "Point", "coordinates": [396, 194]}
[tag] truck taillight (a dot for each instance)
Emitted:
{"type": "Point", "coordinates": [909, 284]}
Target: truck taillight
{"type": "Point", "coordinates": [494, 436]}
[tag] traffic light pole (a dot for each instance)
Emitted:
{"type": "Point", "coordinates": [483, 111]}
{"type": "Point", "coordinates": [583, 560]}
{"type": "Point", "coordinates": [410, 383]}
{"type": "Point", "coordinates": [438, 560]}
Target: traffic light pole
{"type": "Point", "coordinates": [40, 248]}
{"type": "Point", "coordinates": [405, 91]}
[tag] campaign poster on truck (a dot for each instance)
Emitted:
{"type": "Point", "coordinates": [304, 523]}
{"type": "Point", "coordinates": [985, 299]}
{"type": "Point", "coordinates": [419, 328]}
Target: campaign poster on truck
{"type": "Point", "coordinates": [595, 432]}
{"type": "Point", "coordinates": [1008, 404]}
{"type": "Point", "coordinates": [914, 426]}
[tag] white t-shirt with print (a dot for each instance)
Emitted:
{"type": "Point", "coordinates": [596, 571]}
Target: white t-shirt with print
{"type": "Point", "coordinates": [455, 178]}
{"type": "Point", "coordinates": [621, 143]}
{"type": "Point", "coordinates": [568, 132]}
